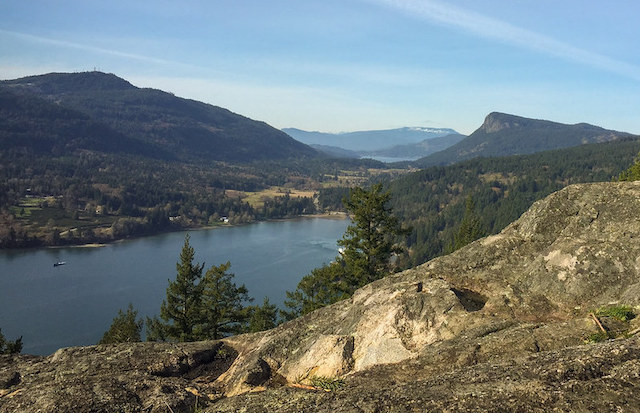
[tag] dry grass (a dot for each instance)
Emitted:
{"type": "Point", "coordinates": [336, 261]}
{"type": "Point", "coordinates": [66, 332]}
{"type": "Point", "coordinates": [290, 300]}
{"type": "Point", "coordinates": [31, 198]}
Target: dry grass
{"type": "Point", "coordinates": [256, 199]}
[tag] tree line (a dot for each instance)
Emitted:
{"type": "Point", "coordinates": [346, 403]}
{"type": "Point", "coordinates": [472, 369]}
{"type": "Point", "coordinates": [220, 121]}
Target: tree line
{"type": "Point", "coordinates": [113, 196]}
{"type": "Point", "coordinates": [435, 201]}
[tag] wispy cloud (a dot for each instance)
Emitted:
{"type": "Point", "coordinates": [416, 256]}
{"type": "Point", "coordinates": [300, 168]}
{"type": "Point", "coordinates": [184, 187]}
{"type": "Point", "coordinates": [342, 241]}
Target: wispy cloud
{"type": "Point", "coordinates": [282, 65]}
{"type": "Point", "coordinates": [92, 49]}
{"type": "Point", "coordinates": [488, 27]}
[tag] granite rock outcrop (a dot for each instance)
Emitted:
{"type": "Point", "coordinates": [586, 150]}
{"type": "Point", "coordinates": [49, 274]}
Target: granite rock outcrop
{"type": "Point", "coordinates": [500, 325]}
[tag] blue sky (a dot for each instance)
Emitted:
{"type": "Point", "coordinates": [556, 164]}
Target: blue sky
{"type": "Point", "coordinates": [344, 65]}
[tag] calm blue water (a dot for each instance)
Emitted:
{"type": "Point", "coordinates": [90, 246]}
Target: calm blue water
{"type": "Point", "coordinates": [74, 304]}
{"type": "Point", "coordinates": [390, 159]}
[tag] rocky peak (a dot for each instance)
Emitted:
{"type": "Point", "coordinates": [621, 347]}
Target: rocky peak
{"type": "Point", "coordinates": [64, 83]}
{"type": "Point", "coordinates": [496, 121]}
{"type": "Point", "coordinates": [499, 325]}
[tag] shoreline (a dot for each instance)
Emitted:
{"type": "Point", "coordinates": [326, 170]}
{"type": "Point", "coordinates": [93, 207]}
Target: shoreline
{"type": "Point", "coordinates": [90, 245]}
{"type": "Point", "coordinates": [337, 215]}
{"type": "Point", "coordinates": [326, 215]}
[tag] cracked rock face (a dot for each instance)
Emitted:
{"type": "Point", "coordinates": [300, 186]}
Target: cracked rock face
{"type": "Point", "coordinates": [498, 325]}
{"type": "Point", "coordinates": [110, 378]}
{"type": "Point", "coordinates": [576, 248]}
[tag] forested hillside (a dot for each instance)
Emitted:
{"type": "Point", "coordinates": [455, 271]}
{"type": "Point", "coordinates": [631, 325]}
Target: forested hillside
{"type": "Point", "coordinates": [37, 126]}
{"type": "Point", "coordinates": [88, 157]}
{"type": "Point", "coordinates": [503, 135]}
{"type": "Point", "coordinates": [98, 197]}
{"type": "Point", "coordinates": [433, 200]}
{"type": "Point", "coordinates": [111, 113]}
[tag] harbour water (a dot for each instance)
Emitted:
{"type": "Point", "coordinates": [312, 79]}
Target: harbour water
{"type": "Point", "coordinates": [73, 304]}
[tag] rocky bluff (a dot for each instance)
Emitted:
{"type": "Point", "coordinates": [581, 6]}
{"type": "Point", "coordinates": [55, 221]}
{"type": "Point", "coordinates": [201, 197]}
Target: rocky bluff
{"type": "Point", "coordinates": [499, 325]}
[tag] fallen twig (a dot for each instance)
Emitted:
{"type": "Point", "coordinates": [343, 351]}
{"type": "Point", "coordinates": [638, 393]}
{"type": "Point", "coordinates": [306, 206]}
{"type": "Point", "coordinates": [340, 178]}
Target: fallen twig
{"type": "Point", "coordinates": [9, 394]}
{"type": "Point", "coordinates": [168, 407]}
{"type": "Point", "coordinates": [598, 322]}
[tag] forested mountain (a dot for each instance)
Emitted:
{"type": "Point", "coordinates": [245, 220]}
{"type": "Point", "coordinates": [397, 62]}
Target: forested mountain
{"type": "Point", "coordinates": [88, 157]}
{"type": "Point", "coordinates": [503, 135]}
{"type": "Point", "coordinates": [433, 201]}
{"type": "Point", "coordinates": [38, 126]}
{"type": "Point", "coordinates": [360, 141]}
{"type": "Point", "coordinates": [100, 111]}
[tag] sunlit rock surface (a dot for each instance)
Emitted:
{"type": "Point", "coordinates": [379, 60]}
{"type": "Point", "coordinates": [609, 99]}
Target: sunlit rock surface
{"type": "Point", "coordinates": [499, 325]}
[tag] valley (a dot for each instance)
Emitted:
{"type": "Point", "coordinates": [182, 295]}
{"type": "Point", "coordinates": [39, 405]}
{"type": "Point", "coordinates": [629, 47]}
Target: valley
{"type": "Point", "coordinates": [90, 158]}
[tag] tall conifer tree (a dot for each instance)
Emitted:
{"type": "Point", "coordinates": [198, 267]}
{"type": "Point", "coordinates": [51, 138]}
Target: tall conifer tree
{"type": "Point", "coordinates": [371, 239]}
{"type": "Point", "coordinates": [181, 312]}
{"type": "Point", "coordinates": [470, 228]}
{"type": "Point", "coordinates": [223, 308]}
{"type": "Point", "coordinates": [369, 244]}
{"type": "Point", "coordinates": [263, 317]}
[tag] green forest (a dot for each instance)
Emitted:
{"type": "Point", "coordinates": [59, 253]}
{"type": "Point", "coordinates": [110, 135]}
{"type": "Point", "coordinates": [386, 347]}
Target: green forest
{"type": "Point", "coordinates": [88, 157]}
{"type": "Point", "coordinates": [433, 201]}
{"type": "Point", "coordinates": [90, 197]}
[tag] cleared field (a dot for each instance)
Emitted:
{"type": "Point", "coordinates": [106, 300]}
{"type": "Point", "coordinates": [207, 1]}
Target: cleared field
{"type": "Point", "coordinates": [256, 199]}
{"type": "Point", "coordinates": [28, 206]}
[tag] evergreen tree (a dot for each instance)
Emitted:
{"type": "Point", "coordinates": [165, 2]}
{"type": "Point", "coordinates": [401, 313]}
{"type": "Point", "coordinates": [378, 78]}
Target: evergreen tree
{"type": "Point", "coordinates": [633, 173]}
{"type": "Point", "coordinates": [264, 317]}
{"type": "Point", "coordinates": [323, 286]}
{"type": "Point", "coordinates": [223, 312]}
{"type": "Point", "coordinates": [181, 312]}
{"type": "Point", "coordinates": [369, 244]}
{"type": "Point", "coordinates": [10, 347]}
{"type": "Point", "coordinates": [125, 328]}
{"type": "Point", "coordinates": [470, 228]}
{"type": "Point", "coordinates": [370, 241]}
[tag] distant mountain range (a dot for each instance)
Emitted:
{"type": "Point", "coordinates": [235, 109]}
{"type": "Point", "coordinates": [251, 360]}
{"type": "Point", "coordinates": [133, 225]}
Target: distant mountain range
{"type": "Point", "coordinates": [416, 150]}
{"type": "Point", "coordinates": [502, 134]}
{"type": "Point", "coordinates": [65, 112]}
{"type": "Point", "coordinates": [405, 143]}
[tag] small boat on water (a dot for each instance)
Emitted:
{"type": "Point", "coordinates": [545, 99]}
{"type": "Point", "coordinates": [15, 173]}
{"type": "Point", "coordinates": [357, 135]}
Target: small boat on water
{"type": "Point", "coordinates": [59, 263]}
